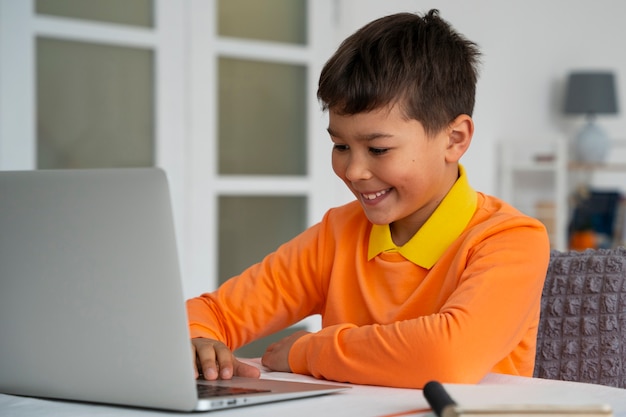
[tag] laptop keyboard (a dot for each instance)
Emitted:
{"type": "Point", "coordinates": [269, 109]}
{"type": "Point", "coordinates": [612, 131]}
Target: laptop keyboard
{"type": "Point", "coordinates": [208, 391]}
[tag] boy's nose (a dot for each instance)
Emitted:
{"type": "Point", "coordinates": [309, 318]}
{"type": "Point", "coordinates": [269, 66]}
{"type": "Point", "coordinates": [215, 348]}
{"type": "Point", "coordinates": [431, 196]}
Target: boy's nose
{"type": "Point", "coordinates": [357, 169]}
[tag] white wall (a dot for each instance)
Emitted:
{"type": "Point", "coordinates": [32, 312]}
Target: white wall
{"type": "Point", "coordinates": [528, 48]}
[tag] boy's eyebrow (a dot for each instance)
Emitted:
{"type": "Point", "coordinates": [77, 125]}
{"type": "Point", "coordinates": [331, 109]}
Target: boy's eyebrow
{"type": "Point", "coordinates": [365, 136]}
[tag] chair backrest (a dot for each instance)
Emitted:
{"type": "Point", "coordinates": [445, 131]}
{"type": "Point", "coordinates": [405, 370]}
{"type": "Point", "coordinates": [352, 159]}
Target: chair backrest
{"type": "Point", "coordinates": [582, 330]}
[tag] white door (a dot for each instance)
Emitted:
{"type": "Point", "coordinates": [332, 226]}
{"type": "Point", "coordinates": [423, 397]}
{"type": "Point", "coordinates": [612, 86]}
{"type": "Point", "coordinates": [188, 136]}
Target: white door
{"type": "Point", "coordinates": [220, 93]}
{"type": "Point", "coordinates": [259, 154]}
{"type": "Point", "coordinates": [93, 84]}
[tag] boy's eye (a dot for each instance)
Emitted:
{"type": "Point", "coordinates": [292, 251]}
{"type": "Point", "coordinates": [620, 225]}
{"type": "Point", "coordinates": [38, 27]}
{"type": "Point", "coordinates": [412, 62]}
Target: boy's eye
{"type": "Point", "coordinates": [378, 151]}
{"type": "Point", "coordinates": [338, 147]}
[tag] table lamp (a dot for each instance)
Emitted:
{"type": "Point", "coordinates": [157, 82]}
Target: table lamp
{"type": "Point", "coordinates": [591, 93]}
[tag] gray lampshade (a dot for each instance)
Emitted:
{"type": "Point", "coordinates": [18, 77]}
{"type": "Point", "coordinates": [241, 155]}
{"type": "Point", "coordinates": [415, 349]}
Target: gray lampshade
{"type": "Point", "coordinates": [591, 93]}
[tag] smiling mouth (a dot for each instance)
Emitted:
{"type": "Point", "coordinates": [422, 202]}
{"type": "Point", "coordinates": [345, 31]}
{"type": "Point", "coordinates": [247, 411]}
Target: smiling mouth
{"type": "Point", "coordinates": [373, 196]}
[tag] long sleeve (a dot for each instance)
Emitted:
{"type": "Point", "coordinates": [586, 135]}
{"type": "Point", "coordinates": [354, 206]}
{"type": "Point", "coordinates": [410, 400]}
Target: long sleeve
{"type": "Point", "coordinates": [387, 321]}
{"type": "Point", "coordinates": [476, 311]}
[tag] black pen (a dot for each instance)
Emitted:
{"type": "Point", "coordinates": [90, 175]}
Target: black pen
{"type": "Point", "coordinates": [439, 400]}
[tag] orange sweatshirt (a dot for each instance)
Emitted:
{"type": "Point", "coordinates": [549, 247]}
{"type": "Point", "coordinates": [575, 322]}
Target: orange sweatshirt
{"type": "Point", "coordinates": [466, 303]}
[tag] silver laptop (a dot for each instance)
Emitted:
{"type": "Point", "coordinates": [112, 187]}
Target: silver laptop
{"type": "Point", "coordinates": [91, 301]}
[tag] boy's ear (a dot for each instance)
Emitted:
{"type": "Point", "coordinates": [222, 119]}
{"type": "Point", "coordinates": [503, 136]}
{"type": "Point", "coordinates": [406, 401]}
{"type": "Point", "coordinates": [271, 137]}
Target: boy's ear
{"type": "Point", "coordinates": [460, 134]}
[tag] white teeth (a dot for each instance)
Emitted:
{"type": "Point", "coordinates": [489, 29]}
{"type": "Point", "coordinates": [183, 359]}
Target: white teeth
{"type": "Point", "coordinates": [374, 195]}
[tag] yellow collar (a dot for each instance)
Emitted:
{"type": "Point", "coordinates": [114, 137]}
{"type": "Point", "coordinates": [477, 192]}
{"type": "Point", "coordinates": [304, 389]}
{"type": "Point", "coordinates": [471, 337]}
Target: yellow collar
{"type": "Point", "coordinates": [445, 224]}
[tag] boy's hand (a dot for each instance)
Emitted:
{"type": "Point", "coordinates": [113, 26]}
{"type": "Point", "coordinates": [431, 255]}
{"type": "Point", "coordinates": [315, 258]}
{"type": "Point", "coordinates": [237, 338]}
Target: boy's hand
{"type": "Point", "coordinates": [276, 356]}
{"type": "Point", "coordinates": [215, 360]}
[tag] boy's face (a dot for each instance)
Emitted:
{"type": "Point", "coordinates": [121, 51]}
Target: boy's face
{"type": "Point", "coordinates": [397, 172]}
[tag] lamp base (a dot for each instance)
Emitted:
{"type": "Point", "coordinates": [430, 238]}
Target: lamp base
{"type": "Point", "coordinates": [591, 145]}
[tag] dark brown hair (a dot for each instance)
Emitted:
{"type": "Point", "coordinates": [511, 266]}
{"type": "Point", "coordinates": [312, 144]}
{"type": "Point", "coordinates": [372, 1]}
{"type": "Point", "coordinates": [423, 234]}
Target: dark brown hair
{"type": "Point", "coordinates": [418, 62]}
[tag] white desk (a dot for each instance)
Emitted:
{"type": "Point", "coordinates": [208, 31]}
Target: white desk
{"type": "Point", "coordinates": [362, 401]}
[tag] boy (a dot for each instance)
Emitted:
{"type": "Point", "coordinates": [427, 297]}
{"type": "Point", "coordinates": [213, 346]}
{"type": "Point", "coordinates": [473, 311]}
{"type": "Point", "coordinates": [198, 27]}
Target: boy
{"type": "Point", "coordinates": [422, 277]}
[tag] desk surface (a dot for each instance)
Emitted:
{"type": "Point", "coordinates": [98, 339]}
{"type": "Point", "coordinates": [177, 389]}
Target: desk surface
{"type": "Point", "coordinates": [360, 400]}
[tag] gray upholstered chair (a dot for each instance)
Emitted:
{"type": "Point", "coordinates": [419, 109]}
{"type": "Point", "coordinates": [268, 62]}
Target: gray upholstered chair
{"type": "Point", "coordinates": [582, 330]}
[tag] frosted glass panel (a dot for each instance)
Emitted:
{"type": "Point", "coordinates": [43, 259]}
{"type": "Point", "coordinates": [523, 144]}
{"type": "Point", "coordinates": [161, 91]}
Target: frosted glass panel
{"type": "Point", "coordinates": [262, 118]}
{"type": "Point", "coordinates": [251, 227]}
{"type": "Point", "coordinates": [268, 20]}
{"type": "Point", "coordinates": [127, 12]}
{"type": "Point", "coordinates": [94, 105]}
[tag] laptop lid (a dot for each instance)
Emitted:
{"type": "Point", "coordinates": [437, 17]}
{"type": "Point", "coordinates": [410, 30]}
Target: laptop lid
{"type": "Point", "coordinates": [91, 301]}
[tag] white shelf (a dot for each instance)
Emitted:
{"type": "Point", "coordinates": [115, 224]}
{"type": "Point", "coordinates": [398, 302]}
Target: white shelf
{"type": "Point", "coordinates": [535, 167]}
{"type": "Point", "coordinates": [533, 178]}
{"type": "Point", "coordinates": [537, 178]}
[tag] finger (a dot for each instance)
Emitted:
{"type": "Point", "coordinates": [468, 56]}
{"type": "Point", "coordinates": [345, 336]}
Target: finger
{"type": "Point", "coordinates": [266, 358]}
{"type": "Point", "coordinates": [224, 358]}
{"type": "Point", "coordinates": [245, 370]}
{"type": "Point", "coordinates": [206, 357]}
{"type": "Point", "coordinates": [195, 361]}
